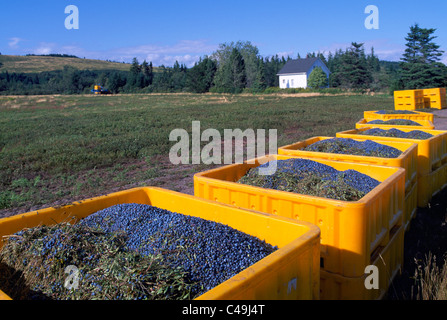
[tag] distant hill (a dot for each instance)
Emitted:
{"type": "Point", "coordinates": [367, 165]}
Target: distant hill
{"type": "Point", "coordinates": [34, 63]}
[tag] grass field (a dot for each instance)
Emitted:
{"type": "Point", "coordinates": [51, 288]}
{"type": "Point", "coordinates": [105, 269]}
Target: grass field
{"type": "Point", "coordinates": [58, 149]}
{"type": "Point", "coordinates": [30, 64]}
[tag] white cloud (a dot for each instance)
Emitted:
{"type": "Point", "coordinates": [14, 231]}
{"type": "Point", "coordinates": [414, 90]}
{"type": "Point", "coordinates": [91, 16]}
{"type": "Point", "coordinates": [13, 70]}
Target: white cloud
{"type": "Point", "coordinates": [43, 50]}
{"type": "Point", "coordinates": [383, 48]}
{"type": "Point", "coordinates": [185, 52]}
{"type": "Point", "coordinates": [14, 42]}
{"type": "Point", "coordinates": [286, 54]}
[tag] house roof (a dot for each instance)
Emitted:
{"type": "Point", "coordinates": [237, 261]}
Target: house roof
{"type": "Point", "coordinates": [298, 65]}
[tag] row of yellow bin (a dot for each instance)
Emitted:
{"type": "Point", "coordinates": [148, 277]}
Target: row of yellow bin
{"type": "Point", "coordinates": [434, 98]}
{"type": "Point", "coordinates": [354, 235]}
{"type": "Point", "coordinates": [324, 245]}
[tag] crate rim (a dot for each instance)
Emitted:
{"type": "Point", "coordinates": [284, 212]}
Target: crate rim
{"type": "Point", "coordinates": [392, 114]}
{"type": "Point", "coordinates": [426, 124]}
{"type": "Point", "coordinates": [433, 132]}
{"type": "Point", "coordinates": [399, 172]}
{"type": "Point", "coordinates": [409, 149]}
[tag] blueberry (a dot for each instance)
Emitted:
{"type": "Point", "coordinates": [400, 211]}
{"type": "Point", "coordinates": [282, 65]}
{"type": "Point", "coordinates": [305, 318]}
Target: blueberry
{"type": "Point", "coordinates": [312, 178]}
{"type": "Point", "coordinates": [395, 112]}
{"type": "Point", "coordinates": [414, 134]}
{"type": "Point", "coordinates": [353, 147]}
{"type": "Point", "coordinates": [211, 252]}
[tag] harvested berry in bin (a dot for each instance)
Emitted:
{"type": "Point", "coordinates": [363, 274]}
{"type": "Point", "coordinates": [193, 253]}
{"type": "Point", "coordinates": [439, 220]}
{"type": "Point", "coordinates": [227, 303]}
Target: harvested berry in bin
{"type": "Point", "coordinates": [127, 252]}
{"type": "Point", "coordinates": [414, 134]}
{"type": "Point", "coordinates": [395, 112]}
{"type": "Point", "coordinates": [310, 177]}
{"type": "Point", "coordinates": [398, 122]}
{"type": "Point", "coordinates": [353, 147]}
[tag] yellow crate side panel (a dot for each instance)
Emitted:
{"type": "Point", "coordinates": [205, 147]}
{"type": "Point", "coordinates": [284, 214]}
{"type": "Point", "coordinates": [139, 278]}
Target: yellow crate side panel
{"type": "Point", "coordinates": [349, 231]}
{"type": "Point", "coordinates": [408, 100]}
{"type": "Point", "coordinates": [389, 262]}
{"type": "Point", "coordinates": [411, 205]}
{"type": "Point", "coordinates": [431, 184]}
{"type": "Point", "coordinates": [297, 241]}
{"type": "Point", "coordinates": [435, 98]}
{"type": "Point", "coordinates": [408, 94]}
{"type": "Point", "coordinates": [373, 115]}
{"type": "Point", "coordinates": [431, 152]}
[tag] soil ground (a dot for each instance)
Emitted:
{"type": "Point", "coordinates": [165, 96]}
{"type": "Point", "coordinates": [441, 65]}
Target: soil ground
{"type": "Point", "coordinates": [440, 120]}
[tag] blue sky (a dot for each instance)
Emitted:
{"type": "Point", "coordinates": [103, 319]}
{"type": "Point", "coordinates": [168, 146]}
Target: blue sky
{"type": "Point", "coordinates": [165, 31]}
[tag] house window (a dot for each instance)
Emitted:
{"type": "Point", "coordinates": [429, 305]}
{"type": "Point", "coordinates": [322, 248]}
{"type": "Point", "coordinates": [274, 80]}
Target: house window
{"type": "Point", "coordinates": [292, 82]}
{"type": "Point", "coordinates": [283, 80]}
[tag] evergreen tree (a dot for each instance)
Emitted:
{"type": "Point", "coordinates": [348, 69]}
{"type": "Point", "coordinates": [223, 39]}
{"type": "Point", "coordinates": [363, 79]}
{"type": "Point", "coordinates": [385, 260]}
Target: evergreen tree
{"type": "Point", "coordinates": [135, 67]}
{"type": "Point", "coordinates": [134, 79]}
{"type": "Point", "coordinates": [272, 68]}
{"type": "Point", "coordinates": [200, 77]}
{"type": "Point", "coordinates": [149, 74]}
{"type": "Point", "coordinates": [145, 68]}
{"type": "Point", "coordinates": [260, 80]}
{"type": "Point", "coordinates": [350, 69]}
{"type": "Point", "coordinates": [115, 82]}
{"type": "Point", "coordinates": [420, 66]}
{"type": "Point", "coordinates": [178, 77]}
{"type": "Point", "coordinates": [373, 61]}
{"type": "Point", "coordinates": [237, 71]}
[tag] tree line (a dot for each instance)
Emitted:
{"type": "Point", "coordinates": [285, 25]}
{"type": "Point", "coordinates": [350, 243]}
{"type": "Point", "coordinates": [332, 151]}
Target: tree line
{"type": "Point", "coordinates": [238, 67]}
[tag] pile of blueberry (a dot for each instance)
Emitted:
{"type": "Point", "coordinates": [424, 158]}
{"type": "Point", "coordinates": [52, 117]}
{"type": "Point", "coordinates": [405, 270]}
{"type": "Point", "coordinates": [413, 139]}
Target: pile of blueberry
{"type": "Point", "coordinates": [311, 178]}
{"type": "Point", "coordinates": [414, 134]}
{"type": "Point", "coordinates": [209, 252]}
{"type": "Point", "coordinates": [127, 251]}
{"type": "Point", "coordinates": [398, 122]}
{"type": "Point", "coordinates": [395, 112]}
{"type": "Point", "coordinates": [40, 255]}
{"type": "Point", "coordinates": [350, 146]}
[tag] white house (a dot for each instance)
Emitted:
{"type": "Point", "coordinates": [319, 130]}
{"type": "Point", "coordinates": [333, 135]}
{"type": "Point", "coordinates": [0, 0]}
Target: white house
{"type": "Point", "coordinates": [295, 73]}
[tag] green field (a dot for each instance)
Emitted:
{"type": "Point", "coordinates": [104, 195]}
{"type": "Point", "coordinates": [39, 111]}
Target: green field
{"type": "Point", "coordinates": [63, 148]}
{"type": "Point", "coordinates": [31, 64]}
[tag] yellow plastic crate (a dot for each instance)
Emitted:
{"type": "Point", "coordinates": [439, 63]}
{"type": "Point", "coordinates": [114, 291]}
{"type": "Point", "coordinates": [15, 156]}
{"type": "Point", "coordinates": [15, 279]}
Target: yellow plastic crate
{"type": "Point", "coordinates": [411, 205]}
{"type": "Point", "coordinates": [407, 160]}
{"type": "Point", "coordinates": [408, 100]}
{"type": "Point", "coordinates": [424, 124]}
{"type": "Point", "coordinates": [418, 115]}
{"type": "Point", "coordinates": [431, 184]}
{"type": "Point", "coordinates": [350, 231]}
{"type": "Point", "coordinates": [389, 262]}
{"type": "Point", "coordinates": [4, 296]}
{"type": "Point", "coordinates": [432, 154]}
{"type": "Point", "coordinates": [291, 272]}
{"type": "Point", "coordinates": [435, 98]}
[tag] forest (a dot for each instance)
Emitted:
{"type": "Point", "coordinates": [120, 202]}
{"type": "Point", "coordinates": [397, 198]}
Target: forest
{"type": "Point", "coordinates": [237, 67]}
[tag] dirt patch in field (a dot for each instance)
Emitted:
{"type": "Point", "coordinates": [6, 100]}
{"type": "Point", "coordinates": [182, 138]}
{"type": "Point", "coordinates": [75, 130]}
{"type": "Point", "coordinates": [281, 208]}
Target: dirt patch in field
{"type": "Point", "coordinates": [158, 172]}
